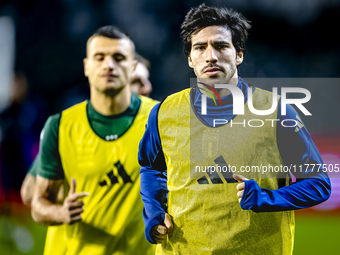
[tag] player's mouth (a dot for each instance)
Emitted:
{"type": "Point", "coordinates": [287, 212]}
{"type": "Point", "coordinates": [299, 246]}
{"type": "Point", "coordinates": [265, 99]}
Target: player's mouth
{"type": "Point", "coordinates": [109, 77]}
{"type": "Point", "coordinates": [212, 71]}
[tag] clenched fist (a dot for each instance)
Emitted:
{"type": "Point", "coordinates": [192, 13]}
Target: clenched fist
{"type": "Point", "coordinates": [240, 186]}
{"type": "Point", "coordinates": [158, 233]}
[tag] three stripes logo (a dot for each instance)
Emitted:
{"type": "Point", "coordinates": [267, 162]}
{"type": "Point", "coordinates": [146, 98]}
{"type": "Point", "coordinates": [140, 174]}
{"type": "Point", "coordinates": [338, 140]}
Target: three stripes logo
{"type": "Point", "coordinates": [214, 177]}
{"type": "Point", "coordinates": [111, 178]}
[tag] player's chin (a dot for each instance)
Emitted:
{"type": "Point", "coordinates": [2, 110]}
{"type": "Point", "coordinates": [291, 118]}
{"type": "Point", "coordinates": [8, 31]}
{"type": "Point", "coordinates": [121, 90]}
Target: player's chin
{"type": "Point", "coordinates": [112, 90]}
{"type": "Point", "coordinates": [212, 80]}
{"type": "Point", "coordinates": [112, 85]}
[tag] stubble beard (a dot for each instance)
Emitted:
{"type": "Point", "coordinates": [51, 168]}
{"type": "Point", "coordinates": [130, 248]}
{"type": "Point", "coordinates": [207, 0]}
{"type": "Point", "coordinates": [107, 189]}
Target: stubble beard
{"type": "Point", "coordinates": [230, 74]}
{"type": "Point", "coordinates": [109, 91]}
{"type": "Point", "coordinates": [112, 92]}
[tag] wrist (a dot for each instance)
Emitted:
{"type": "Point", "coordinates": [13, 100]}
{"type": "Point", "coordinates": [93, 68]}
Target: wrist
{"type": "Point", "coordinates": [251, 198]}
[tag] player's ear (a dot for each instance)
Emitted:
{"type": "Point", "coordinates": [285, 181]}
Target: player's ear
{"type": "Point", "coordinates": [239, 58]}
{"type": "Point", "coordinates": [134, 64]}
{"type": "Point", "coordinates": [85, 66]}
{"type": "Point", "coordinates": [190, 61]}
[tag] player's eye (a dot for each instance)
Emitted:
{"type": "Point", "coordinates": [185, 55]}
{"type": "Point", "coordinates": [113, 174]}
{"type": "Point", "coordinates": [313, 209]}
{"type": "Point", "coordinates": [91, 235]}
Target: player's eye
{"type": "Point", "coordinates": [99, 57]}
{"type": "Point", "coordinates": [221, 46]}
{"type": "Point", "coordinates": [200, 47]}
{"type": "Point", "coordinates": [118, 57]}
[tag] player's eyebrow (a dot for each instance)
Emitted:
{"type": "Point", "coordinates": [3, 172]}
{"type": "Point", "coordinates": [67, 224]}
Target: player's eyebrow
{"type": "Point", "coordinates": [221, 42]}
{"type": "Point", "coordinates": [199, 43]}
{"type": "Point", "coordinates": [108, 53]}
{"type": "Point", "coordinates": [205, 43]}
{"type": "Point", "coordinates": [98, 54]}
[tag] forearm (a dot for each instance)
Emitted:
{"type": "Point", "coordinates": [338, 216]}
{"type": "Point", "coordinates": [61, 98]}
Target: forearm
{"type": "Point", "coordinates": [45, 208]}
{"type": "Point", "coordinates": [303, 194]}
{"type": "Point", "coordinates": [46, 213]}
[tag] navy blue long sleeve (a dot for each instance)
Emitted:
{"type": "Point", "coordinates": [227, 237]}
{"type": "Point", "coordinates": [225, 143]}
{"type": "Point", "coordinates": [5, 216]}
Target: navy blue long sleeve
{"type": "Point", "coordinates": [153, 175]}
{"type": "Point", "coordinates": [294, 143]}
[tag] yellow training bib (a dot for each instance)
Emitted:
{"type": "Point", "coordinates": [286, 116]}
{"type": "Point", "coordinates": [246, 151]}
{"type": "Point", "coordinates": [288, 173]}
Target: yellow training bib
{"type": "Point", "coordinates": [55, 241]}
{"type": "Point", "coordinates": [206, 213]}
{"type": "Point", "coordinates": [112, 222]}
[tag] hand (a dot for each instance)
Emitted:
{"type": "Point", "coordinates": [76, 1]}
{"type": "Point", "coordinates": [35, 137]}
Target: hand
{"type": "Point", "coordinates": [240, 186]}
{"type": "Point", "coordinates": [73, 208]}
{"type": "Point", "coordinates": [158, 233]}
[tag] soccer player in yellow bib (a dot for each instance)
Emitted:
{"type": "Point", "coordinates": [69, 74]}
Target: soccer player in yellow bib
{"type": "Point", "coordinates": [193, 203]}
{"type": "Point", "coordinates": [55, 236]}
{"type": "Point", "coordinates": [91, 148]}
{"type": "Point", "coordinates": [55, 242]}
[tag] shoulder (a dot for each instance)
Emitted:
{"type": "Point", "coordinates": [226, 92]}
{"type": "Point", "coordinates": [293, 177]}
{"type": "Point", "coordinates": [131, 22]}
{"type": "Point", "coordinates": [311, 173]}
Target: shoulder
{"type": "Point", "coordinates": [51, 125]}
{"type": "Point", "coordinates": [179, 95]}
{"type": "Point", "coordinates": [53, 118]}
{"type": "Point", "coordinates": [75, 108]}
{"type": "Point", "coordinates": [176, 99]}
{"type": "Point", "coordinates": [264, 93]}
{"type": "Point", "coordinates": [148, 102]}
{"type": "Point", "coordinates": [49, 133]}
{"type": "Point", "coordinates": [146, 105]}
{"type": "Point", "coordinates": [259, 90]}
{"type": "Point", "coordinates": [262, 99]}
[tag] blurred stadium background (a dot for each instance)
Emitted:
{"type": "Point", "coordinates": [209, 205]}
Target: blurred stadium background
{"type": "Point", "coordinates": [42, 44]}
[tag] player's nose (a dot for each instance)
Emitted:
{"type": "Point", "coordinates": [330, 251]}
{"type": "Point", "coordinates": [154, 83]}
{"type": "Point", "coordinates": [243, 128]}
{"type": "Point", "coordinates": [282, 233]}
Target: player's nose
{"type": "Point", "coordinates": [109, 63]}
{"type": "Point", "coordinates": [210, 55]}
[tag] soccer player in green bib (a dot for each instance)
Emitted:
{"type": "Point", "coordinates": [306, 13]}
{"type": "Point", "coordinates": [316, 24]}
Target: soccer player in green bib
{"type": "Point", "coordinates": [91, 148]}
{"type": "Point", "coordinates": [191, 210]}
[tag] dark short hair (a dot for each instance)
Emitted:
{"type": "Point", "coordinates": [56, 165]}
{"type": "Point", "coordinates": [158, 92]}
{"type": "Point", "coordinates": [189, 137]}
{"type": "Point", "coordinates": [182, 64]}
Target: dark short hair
{"type": "Point", "coordinates": [112, 32]}
{"type": "Point", "coordinates": [205, 16]}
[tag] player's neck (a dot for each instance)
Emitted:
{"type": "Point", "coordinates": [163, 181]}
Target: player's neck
{"type": "Point", "coordinates": [107, 104]}
{"type": "Point", "coordinates": [221, 92]}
